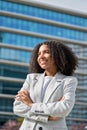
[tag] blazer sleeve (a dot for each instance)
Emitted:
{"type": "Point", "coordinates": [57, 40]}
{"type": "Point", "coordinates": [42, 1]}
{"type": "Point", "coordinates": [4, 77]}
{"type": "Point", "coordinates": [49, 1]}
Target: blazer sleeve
{"type": "Point", "coordinates": [58, 108]}
{"type": "Point", "coordinates": [21, 109]}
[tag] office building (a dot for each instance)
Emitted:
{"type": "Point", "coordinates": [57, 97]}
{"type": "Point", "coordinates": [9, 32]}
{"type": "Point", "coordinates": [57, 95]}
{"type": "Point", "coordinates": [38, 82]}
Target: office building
{"type": "Point", "coordinates": [25, 23]}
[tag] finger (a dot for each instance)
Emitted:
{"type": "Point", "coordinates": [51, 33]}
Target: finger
{"type": "Point", "coordinates": [17, 98]}
{"type": "Point", "coordinates": [26, 92]}
{"type": "Point", "coordinates": [23, 92]}
{"type": "Point", "coordinates": [62, 98]}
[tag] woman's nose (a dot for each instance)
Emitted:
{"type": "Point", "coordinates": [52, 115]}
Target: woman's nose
{"type": "Point", "coordinates": [41, 55]}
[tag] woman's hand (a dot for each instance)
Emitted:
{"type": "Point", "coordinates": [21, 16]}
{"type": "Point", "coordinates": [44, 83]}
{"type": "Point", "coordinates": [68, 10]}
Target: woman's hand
{"type": "Point", "coordinates": [50, 118]}
{"type": "Point", "coordinates": [24, 96]}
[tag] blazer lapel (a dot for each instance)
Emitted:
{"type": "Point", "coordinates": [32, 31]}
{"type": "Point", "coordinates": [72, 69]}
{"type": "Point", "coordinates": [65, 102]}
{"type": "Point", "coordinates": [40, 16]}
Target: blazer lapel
{"type": "Point", "coordinates": [55, 83]}
{"type": "Point", "coordinates": [37, 88]}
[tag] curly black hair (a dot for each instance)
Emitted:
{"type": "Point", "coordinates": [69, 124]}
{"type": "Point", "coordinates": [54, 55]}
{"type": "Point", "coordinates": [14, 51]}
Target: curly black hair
{"type": "Point", "coordinates": [63, 55]}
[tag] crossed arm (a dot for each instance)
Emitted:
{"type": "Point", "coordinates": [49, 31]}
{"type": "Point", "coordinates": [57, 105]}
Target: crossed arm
{"type": "Point", "coordinates": [25, 107]}
{"type": "Point", "coordinates": [24, 97]}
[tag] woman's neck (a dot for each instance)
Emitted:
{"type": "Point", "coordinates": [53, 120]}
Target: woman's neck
{"type": "Point", "coordinates": [52, 73]}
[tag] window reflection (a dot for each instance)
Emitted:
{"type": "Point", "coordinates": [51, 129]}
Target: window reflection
{"type": "Point", "coordinates": [47, 29]}
{"type": "Point", "coordinates": [43, 13]}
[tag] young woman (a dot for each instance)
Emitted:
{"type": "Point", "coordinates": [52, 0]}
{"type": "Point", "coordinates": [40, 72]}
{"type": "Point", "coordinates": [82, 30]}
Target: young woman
{"type": "Point", "coordinates": [48, 93]}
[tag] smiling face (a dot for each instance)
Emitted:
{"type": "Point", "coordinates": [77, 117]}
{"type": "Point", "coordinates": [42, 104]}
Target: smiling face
{"type": "Point", "coordinates": [45, 60]}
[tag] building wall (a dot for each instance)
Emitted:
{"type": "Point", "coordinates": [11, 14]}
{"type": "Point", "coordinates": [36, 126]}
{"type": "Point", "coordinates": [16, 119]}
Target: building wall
{"type": "Point", "coordinates": [23, 24]}
{"type": "Point", "coordinates": [71, 5]}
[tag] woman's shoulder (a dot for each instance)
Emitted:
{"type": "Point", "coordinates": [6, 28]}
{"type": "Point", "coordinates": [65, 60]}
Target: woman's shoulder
{"type": "Point", "coordinates": [71, 79]}
{"type": "Point", "coordinates": [34, 75]}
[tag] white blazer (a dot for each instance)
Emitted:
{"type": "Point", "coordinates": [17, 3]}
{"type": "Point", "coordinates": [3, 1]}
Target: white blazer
{"type": "Point", "coordinates": [36, 117]}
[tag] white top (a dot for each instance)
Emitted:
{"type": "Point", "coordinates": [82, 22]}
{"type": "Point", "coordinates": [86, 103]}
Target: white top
{"type": "Point", "coordinates": [47, 80]}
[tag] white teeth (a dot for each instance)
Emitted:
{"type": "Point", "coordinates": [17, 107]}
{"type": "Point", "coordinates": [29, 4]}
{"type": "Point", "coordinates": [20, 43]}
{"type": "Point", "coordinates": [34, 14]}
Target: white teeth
{"type": "Point", "coordinates": [43, 62]}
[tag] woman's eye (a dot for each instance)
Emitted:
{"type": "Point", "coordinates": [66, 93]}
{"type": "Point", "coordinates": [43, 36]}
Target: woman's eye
{"type": "Point", "coordinates": [38, 54]}
{"type": "Point", "coordinates": [43, 53]}
{"type": "Point", "coordinates": [47, 52]}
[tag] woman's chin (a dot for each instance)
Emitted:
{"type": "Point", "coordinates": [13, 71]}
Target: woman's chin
{"type": "Point", "coordinates": [43, 67]}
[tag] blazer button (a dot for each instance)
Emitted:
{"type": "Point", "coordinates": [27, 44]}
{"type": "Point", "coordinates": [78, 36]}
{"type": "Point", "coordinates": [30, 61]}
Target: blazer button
{"type": "Point", "coordinates": [40, 128]}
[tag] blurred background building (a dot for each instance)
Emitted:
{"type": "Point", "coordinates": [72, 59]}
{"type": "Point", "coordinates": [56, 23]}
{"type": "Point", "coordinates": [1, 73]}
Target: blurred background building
{"type": "Point", "coordinates": [25, 23]}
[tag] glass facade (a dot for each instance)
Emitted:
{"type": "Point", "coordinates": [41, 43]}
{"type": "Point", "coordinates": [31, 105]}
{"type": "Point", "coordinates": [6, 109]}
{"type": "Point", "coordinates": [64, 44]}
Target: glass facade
{"type": "Point", "coordinates": [47, 28]}
{"type": "Point", "coordinates": [19, 39]}
{"type": "Point", "coordinates": [16, 35]}
{"type": "Point", "coordinates": [43, 13]}
{"type": "Point", "coordinates": [14, 55]}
